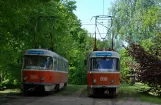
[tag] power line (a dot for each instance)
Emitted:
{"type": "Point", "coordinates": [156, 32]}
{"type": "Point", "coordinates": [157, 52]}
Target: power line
{"type": "Point", "coordinates": [94, 24]}
{"type": "Point", "coordinates": [103, 7]}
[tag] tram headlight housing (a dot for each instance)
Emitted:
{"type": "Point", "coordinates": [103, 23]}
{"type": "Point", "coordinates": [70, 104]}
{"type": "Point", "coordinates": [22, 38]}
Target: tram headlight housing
{"type": "Point", "coordinates": [112, 81]}
{"type": "Point", "coordinates": [42, 79]}
{"type": "Point", "coordinates": [94, 81]}
{"type": "Point", "coordinates": [25, 78]}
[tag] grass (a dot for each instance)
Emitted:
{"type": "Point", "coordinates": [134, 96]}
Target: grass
{"type": "Point", "coordinates": [134, 91]}
{"type": "Point", "coordinates": [10, 91]}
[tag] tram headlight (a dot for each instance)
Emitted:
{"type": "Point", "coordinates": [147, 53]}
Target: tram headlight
{"type": "Point", "coordinates": [94, 81]}
{"type": "Point", "coordinates": [25, 78]}
{"type": "Point", "coordinates": [42, 79]}
{"type": "Point", "coordinates": [112, 81]}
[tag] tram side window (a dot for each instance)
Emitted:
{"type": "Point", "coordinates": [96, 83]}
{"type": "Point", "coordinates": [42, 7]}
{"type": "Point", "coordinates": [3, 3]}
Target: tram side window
{"type": "Point", "coordinates": [62, 65]}
{"type": "Point", "coordinates": [66, 67]}
{"type": "Point", "coordinates": [117, 64]}
{"type": "Point", "coordinates": [49, 63]}
{"type": "Point", "coordinates": [93, 64]}
{"type": "Point", "coordinates": [55, 63]}
{"type": "Point", "coordinates": [58, 64]}
{"type": "Point", "coordinates": [90, 64]}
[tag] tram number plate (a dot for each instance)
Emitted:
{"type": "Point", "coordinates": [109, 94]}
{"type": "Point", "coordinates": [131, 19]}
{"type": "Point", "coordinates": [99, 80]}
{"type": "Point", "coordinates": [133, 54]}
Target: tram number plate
{"type": "Point", "coordinates": [33, 77]}
{"type": "Point", "coordinates": [103, 78]}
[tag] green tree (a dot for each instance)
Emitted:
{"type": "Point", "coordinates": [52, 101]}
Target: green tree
{"type": "Point", "coordinates": [19, 24]}
{"type": "Point", "coordinates": [137, 22]}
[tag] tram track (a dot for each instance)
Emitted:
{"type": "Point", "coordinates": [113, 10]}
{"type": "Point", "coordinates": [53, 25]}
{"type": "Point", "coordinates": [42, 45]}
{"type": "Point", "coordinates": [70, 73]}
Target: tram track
{"type": "Point", "coordinates": [77, 98]}
{"type": "Point", "coordinates": [18, 99]}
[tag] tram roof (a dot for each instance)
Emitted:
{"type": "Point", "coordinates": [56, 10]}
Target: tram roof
{"type": "Point", "coordinates": [43, 52]}
{"type": "Point", "coordinates": [104, 54]}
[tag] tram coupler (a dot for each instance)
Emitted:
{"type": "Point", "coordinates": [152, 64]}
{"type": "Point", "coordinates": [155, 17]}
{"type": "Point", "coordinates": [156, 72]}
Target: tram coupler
{"type": "Point", "coordinates": [106, 91]}
{"type": "Point", "coordinates": [31, 89]}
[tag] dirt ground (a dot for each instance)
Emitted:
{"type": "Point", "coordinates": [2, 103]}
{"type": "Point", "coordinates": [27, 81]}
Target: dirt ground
{"type": "Point", "coordinates": [78, 98]}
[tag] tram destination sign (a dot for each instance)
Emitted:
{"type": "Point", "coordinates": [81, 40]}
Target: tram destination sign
{"type": "Point", "coordinates": [35, 52]}
{"type": "Point", "coordinates": [104, 54]}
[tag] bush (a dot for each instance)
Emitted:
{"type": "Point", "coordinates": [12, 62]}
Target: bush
{"type": "Point", "coordinates": [149, 70]}
{"type": "Point", "coordinates": [10, 84]}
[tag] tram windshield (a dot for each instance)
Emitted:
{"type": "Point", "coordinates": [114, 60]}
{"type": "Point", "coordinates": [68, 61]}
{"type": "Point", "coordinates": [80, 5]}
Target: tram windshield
{"type": "Point", "coordinates": [38, 62]}
{"type": "Point", "coordinates": [104, 64]}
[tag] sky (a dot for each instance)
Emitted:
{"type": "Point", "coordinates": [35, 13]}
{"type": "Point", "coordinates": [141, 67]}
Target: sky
{"type": "Point", "coordinates": [86, 9]}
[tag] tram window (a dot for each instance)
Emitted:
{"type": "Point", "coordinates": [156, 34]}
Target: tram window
{"type": "Point", "coordinates": [58, 64]}
{"type": "Point", "coordinates": [117, 64]}
{"type": "Point", "coordinates": [65, 66]}
{"type": "Point", "coordinates": [37, 62]}
{"type": "Point", "coordinates": [95, 63]}
{"type": "Point", "coordinates": [49, 63]}
{"type": "Point", "coordinates": [55, 63]}
{"type": "Point", "coordinates": [104, 64]}
{"type": "Point", "coordinates": [90, 64]}
{"type": "Point", "coordinates": [62, 65]}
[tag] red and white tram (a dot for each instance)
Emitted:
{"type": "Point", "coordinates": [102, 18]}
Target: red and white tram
{"type": "Point", "coordinates": [43, 70]}
{"type": "Point", "coordinates": [103, 72]}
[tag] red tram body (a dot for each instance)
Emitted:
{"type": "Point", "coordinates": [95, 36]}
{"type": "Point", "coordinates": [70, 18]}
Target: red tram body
{"type": "Point", "coordinates": [43, 70]}
{"type": "Point", "coordinates": [103, 72]}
